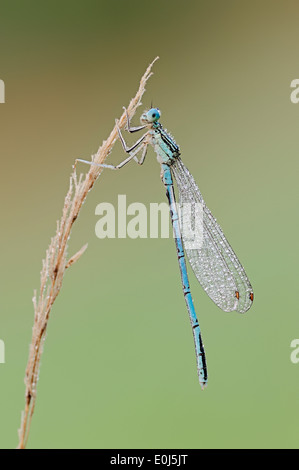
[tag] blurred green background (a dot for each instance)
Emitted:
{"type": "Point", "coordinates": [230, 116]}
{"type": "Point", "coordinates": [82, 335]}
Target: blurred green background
{"type": "Point", "coordinates": [118, 369]}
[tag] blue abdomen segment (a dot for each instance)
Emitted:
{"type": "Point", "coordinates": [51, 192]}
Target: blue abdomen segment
{"type": "Point", "coordinates": [199, 347]}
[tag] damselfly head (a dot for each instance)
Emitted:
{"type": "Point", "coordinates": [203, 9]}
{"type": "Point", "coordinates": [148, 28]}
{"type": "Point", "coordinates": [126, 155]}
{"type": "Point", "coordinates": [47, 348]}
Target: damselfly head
{"type": "Point", "coordinates": [150, 116]}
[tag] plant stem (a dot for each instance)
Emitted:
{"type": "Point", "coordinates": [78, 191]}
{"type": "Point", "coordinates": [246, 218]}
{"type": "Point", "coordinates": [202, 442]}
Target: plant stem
{"type": "Point", "coordinates": [56, 263]}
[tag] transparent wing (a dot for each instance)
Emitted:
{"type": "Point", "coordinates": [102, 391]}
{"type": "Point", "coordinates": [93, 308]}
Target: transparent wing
{"type": "Point", "coordinates": [213, 261]}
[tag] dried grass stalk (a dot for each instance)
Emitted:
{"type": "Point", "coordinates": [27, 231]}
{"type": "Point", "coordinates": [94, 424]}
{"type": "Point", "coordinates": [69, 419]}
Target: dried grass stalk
{"type": "Point", "coordinates": [55, 263]}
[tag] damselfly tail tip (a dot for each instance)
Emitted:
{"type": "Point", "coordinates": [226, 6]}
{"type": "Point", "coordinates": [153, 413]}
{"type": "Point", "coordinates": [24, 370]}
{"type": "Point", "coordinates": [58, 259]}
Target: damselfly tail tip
{"type": "Point", "coordinates": [203, 385]}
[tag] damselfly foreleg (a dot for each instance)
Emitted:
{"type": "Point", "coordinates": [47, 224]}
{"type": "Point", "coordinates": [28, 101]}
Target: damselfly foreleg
{"type": "Point", "coordinates": [129, 128]}
{"type": "Point", "coordinates": [142, 146]}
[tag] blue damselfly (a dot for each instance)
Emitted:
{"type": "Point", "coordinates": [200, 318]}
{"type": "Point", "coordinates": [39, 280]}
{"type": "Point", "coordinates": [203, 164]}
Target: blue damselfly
{"type": "Point", "coordinates": [213, 261]}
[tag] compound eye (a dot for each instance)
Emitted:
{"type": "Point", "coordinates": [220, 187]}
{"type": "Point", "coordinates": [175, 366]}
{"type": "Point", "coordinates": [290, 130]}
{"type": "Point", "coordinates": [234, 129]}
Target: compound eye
{"type": "Point", "coordinates": [154, 114]}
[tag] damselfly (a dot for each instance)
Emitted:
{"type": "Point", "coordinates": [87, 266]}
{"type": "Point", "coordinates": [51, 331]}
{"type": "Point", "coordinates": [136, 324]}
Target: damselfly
{"type": "Point", "coordinates": [213, 261]}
